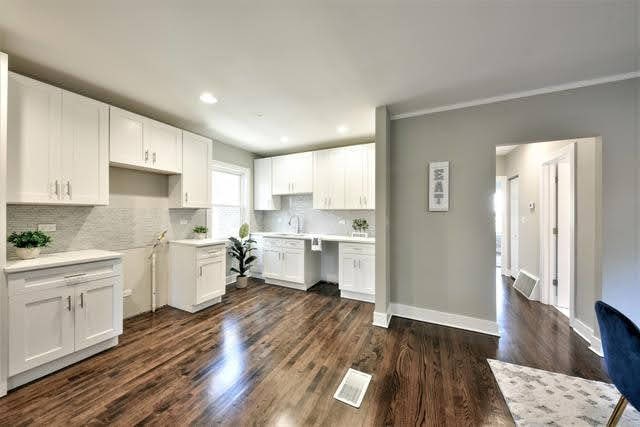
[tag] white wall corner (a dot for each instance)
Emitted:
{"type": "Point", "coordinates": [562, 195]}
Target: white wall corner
{"type": "Point", "coordinates": [586, 333]}
{"type": "Point", "coordinates": [596, 346]}
{"type": "Point", "coordinates": [446, 319]}
{"type": "Point", "coordinates": [381, 319]}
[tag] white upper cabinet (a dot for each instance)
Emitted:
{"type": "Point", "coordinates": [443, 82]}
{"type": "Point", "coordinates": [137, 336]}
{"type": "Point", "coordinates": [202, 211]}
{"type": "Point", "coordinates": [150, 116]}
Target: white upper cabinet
{"type": "Point", "coordinates": [192, 188]}
{"type": "Point", "coordinates": [360, 177]}
{"type": "Point", "coordinates": [140, 143]}
{"type": "Point", "coordinates": [329, 179]}
{"type": "Point", "coordinates": [292, 174]}
{"type": "Point", "coordinates": [57, 146]}
{"type": "Point", "coordinates": [263, 198]}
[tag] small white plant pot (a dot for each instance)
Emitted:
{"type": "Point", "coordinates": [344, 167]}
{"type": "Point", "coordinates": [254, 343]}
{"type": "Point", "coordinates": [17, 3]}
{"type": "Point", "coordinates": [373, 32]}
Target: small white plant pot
{"type": "Point", "coordinates": [201, 236]}
{"type": "Point", "coordinates": [241, 282]}
{"type": "Point", "coordinates": [359, 234]}
{"type": "Point", "coordinates": [28, 253]}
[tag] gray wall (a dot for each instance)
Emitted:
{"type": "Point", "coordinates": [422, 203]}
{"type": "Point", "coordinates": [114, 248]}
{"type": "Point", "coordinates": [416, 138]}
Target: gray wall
{"type": "Point", "coordinates": [501, 165]}
{"type": "Point", "coordinates": [444, 261]}
{"type": "Point", "coordinates": [524, 161]}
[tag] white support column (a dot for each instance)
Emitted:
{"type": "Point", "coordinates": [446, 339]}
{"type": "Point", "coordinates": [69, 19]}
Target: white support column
{"type": "Point", "coordinates": [4, 304]}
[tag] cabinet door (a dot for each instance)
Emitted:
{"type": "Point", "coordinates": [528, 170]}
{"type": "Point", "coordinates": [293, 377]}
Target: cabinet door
{"type": "Point", "coordinates": [41, 328]}
{"type": "Point", "coordinates": [33, 141]}
{"type": "Point", "coordinates": [98, 311]}
{"type": "Point", "coordinates": [258, 265]}
{"type": "Point", "coordinates": [164, 143]}
{"type": "Point", "coordinates": [263, 198]}
{"type": "Point", "coordinates": [337, 179]}
{"type": "Point", "coordinates": [126, 138]}
{"type": "Point", "coordinates": [293, 265]}
{"type": "Point", "coordinates": [365, 277]}
{"type": "Point", "coordinates": [211, 280]}
{"type": "Point", "coordinates": [321, 179]}
{"type": "Point", "coordinates": [281, 175]}
{"type": "Point", "coordinates": [348, 272]}
{"type": "Point", "coordinates": [85, 150]}
{"type": "Point", "coordinates": [195, 173]}
{"type": "Point", "coordinates": [356, 189]}
{"type": "Point", "coordinates": [370, 177]}
{"type": "Point", "coordinates": [301, 167]}
{"type": "Point", "coordinates": [272, 263]}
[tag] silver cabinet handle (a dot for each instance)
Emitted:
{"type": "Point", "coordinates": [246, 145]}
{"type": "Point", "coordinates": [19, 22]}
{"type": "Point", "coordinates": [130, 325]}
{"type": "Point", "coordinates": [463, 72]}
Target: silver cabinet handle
{"type": "Point", "coordinates": [74, 275]}
{"type": "Point", "coordinates": [82, 299]}
{"type": "Point", "coordinates": [186, 197]}
{"type": "Point", "coordinates": [57, 188]}
{"type": "Point", "coordinates": [360, 201]}
{"type": "Point", "coordinates": [354, 263]}
{"type": "Point", "coordinates": [365, 201]}
{"type": "Point", "coordinates": [154, 157]}
{"type": "Point", "coordinates": [359, 266]}
{"type": "Point", "coordinates": [69, 189]}
{"type": "Point", "coordinates": [200, 271]}
{"type": "Point", "coordinates": [146, 155]}
{"type": "Point", "coordinates": [69, 302]}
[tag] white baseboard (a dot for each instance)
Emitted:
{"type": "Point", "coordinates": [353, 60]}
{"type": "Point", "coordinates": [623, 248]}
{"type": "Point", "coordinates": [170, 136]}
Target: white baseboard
{"type": "Point", "coordinates": [357, 296]}
{"type": "Point", "coordinates": [586, 333]}
{"type": "Point", "coordinates": [446, 319]}
{"type": "Point", "coordinates": [232, 278]}
{"type": "Point", "coordinates": [381, 319]}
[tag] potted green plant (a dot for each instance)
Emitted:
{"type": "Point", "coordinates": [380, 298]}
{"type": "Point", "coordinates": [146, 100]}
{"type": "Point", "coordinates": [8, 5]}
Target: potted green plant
{"type": "Point", "coordinates": [360, 227]}
{"type": "Point", "coordinates": [200, 231]}
{"type": "Point", "coordinates": [240, 249]}
{"type": "Point", "coordinates": [28, 243]}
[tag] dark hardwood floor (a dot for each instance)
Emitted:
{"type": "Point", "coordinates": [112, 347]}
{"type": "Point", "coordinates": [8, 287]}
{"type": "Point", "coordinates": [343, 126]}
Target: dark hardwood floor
{"type": "Point", "coordinates": [270, 355]}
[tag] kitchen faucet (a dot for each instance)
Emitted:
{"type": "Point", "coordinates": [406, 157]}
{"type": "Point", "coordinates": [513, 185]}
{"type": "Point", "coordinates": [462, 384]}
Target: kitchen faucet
{"type": "Point", "coordinates": [297, 223]}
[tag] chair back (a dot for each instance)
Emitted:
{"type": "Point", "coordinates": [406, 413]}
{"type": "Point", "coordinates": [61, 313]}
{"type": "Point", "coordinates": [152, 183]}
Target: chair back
{"type": "Point", "coordinates": [621, 347]}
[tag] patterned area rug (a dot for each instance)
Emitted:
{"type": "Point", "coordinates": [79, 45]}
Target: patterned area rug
{"type": "Point", "coordinates": [536, 397]}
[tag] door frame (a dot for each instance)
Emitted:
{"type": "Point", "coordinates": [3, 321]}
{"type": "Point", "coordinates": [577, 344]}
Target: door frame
{"type": "Point", "coordinates": [546, 285]}
{"type": "Point", "coordinates": [510, 271]}
{"type": "Point", "coordinates": [504, 246]}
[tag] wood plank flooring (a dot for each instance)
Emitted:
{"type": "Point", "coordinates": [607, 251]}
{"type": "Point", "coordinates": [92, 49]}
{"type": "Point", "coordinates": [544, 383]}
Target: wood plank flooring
{"type": "Point", "coordinates": [273, 356]}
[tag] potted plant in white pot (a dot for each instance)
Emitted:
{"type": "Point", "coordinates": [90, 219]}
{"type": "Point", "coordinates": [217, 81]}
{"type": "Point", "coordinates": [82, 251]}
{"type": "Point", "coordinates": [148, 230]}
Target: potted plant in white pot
{"type": "Point", "coordinates": [360, 227]}
{"type": "Point", "coordinates": [240, 249]}
{"type": "Point", "coordinates": [28, 243]}
{"type": "Point", "coordinates": [200, 231]}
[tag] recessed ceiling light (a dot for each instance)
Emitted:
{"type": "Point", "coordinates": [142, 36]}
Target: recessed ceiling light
{"type": "Point", "coordinates": [342, 129]}
{"type": "Point", "coordinates": [208, 98]}
{"type": "Point", "coordinates": [284, 139]}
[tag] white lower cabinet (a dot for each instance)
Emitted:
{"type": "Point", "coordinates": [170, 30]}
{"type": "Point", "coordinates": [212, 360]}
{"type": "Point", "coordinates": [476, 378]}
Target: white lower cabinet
{"type": "Point", "coordinates": [198, 274]}
{"type": "Point", "coordinates": [357, 271]}
{"type": "Point", "coordinates": [55, 313]}
{"type": "Point", "coordinates": [290, 263]}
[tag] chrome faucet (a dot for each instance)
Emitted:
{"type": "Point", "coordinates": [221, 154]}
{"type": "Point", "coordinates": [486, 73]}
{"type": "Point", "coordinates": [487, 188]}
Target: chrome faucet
{"type": "Point", "coordinates": [298, 230]}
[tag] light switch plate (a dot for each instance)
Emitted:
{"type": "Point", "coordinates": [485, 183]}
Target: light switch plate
{"type": "Point", "coordinates": [46, 227]}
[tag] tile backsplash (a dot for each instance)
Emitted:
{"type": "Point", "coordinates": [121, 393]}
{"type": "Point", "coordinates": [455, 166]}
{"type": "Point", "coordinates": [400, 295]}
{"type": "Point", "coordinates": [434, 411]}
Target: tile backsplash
{"type": "Point", "coordinates": [311, 220]}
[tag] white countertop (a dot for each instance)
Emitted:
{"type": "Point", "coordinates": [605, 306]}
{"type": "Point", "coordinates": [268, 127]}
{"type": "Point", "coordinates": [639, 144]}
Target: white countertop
{"type": "Point", "coordinates": [199, 242]}
{"type": "Point", "coordinates": [59, 259]}
{"type": "Point", "coordinates": [308, 236]}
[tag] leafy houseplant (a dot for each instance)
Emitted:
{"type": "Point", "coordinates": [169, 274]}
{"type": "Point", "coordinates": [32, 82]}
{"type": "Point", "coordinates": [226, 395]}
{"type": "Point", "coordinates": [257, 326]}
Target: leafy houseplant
{"type": "Point", "coordinates": [240, 249]}
{"type": "Point", "coordinates": [360, 227]}
{"type": "Point", "coordinates": [28, 243]}
{"type": "Point", "coordinates": [200, 231]}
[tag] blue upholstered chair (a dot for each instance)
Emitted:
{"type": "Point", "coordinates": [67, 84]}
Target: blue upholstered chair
{"type": "Point", "coordinates": [621, 347]}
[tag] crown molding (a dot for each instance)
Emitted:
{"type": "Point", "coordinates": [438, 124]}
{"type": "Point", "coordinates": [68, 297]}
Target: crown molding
{"type": "Point", "coordinates": [517, 95]}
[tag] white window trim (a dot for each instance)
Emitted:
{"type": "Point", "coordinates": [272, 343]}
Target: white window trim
{"type": "Point", "coordinates": [245, 173]}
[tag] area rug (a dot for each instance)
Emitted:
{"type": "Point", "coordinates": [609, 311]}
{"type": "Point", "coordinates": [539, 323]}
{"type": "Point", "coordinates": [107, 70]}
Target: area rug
{"type": "Point", "coordinates": [536, 397]}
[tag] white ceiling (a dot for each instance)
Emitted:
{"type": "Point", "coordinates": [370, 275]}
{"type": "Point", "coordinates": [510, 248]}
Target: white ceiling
{"type": "Point", "coordinates": [309, 66]}
{"type": "Point", "coordinates": [503, 150]}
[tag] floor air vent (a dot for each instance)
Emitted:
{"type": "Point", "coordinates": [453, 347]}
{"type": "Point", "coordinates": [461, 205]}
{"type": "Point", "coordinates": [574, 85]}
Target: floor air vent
{"type": "Point", "coordinates": [527, 285]}
{"type": "Point", "coordinates": [353, 387]}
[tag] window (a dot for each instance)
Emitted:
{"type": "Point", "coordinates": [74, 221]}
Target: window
{"type": "Point", "coordinates": [229, 198]}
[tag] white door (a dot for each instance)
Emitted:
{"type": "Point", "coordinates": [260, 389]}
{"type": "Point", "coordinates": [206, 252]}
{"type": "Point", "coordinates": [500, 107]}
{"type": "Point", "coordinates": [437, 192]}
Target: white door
{"type": "Point", "coordinates": [41, 328]}
{"type": "Point", "coordinates": [33, 141]}
{"type": "Point", "coordinates": [212, 279]}
{"type": "Point", "coordinates": [301, 165]}
{"type": "Point", "coordinates": [272, 262]}
{"type": "Point", "coordinates": [98, 311]}
{"type": "Point", "coordinates": [85, 150]}
{"type": "Point", "coordinates": [281, 175]}
{"type": "Point", "coordinates": [195, 172]}
{"type": "Point", "coordinates": [514, 225]}
{"type": "Point", "coordinates": [563, 252]}
{"type": "Point", "coordinates": [348, 272]}
{"type": "Point", "coordinates": [366, 274]}
{"type": "Point", "coordinates": [164, 143]}
{"type": "Point", "coordinates": [293, 265]}
{"type": "Point", "coordinates": [126, 138]}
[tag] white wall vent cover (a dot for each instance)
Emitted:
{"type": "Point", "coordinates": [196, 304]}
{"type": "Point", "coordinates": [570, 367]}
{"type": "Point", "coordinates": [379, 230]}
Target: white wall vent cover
{"type": "Point", "coordinates": [527, 285]}
{"type": "Point", "coordinates": [353, 387]}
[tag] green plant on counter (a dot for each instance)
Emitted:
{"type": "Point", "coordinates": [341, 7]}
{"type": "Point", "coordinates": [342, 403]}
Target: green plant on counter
{"type": "Point", "coordinates": [29, 239]}
{"type": "Point", "coordinates": [241, 249]}
{"type": "Point", "coordinates": [360, 225]}
{"type": "Point", "coordinates": [200, 229]}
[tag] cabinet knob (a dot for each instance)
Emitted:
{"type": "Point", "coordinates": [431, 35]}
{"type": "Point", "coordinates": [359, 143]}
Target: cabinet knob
{"type": "Point", "coordinates": [146, 155]}
{"type": "Point", "coordinates": [154, 157]}
{"type": "Point", "coordinates": [186, 197]}
{"type": "Point", "coordinates": [69, 302]}
{"type": "Point", "coordinates": [69, 189]}
{"type": "Point", "coordinates": [82, 299]}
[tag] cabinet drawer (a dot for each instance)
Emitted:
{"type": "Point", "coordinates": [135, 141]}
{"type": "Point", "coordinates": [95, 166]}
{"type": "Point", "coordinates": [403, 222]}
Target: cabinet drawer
{"type": "Point", "coordinates": [357, 248]}
{"type": "Point", "coordinates": [270, 243]}
{"type": "Point", "coordinates": [37, 280]}
{"type": "Point", "coordinates": [293, 243]}
{"type": "Point", "coordinates": [211, 251]}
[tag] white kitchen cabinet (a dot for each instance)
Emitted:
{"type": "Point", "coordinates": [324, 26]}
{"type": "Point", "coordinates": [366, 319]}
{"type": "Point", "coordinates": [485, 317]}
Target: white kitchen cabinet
{"type": "Point", "coordinates": [192, 189]}
{"type": "Point", "coordinates": [292, 174]}
{"type": "Point", "coordinates": [329, 179]}
{"type": "Point", "coordinates": [357, 271]}
{"type": "Point", "coordinates": [138, 142]}
{"type": "Point", "coordinates": [263, 198]}
{"type": "Point", "coordinates": [62, 308]}
{"type": "Point", "coordinates": [290, 263]}
{"type": "Point", "coordinates": [57, 150]}
{"type": "Point", "coordinates": [258, 265]}
{"type": "Point", "coordinates": [198, 273]}
{"type": "Point", "coordinates": [360, 177]}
